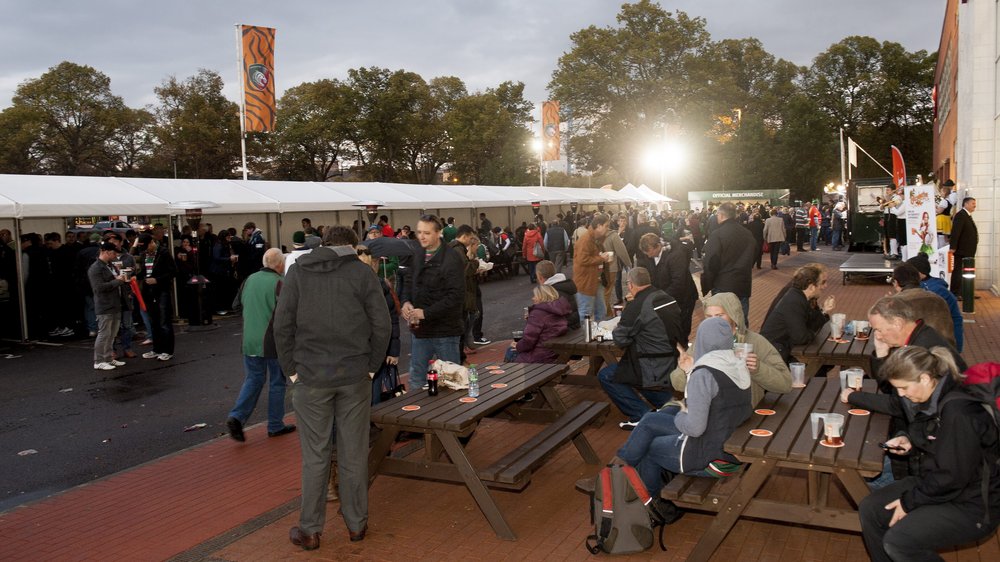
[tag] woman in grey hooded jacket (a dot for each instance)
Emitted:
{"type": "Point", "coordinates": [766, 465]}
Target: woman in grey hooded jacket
{"type": "Point", "coordinates": [718, 388]}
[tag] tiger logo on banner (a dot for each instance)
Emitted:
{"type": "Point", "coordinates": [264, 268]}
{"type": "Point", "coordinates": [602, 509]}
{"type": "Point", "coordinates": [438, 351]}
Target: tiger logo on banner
{"type": "Point", "coordinates": [550, 130]}
{"type": "Point", "coordinates": [258, 78]}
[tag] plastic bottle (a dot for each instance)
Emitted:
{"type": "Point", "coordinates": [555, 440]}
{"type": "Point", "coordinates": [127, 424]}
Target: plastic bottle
{"type": "Point", "coordinates": [432, 379]}
{"type": "Point", "coordinates": [473, 381]}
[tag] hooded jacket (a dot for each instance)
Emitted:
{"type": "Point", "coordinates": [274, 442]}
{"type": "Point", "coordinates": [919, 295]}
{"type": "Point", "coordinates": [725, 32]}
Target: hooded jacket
{"type": "Point", "coordinates": [587, 263]}
{"type": "Point", "coordinates": [772, 374]}
{"type": "Point", "coordinates": [532, 236]}
{"type": "Point", "coordinates": [940, 288]}
{"type": "Point", "coordinates": [567, 290]}
{"type": "Point", "coordinates": [546, 320]}
{"type": "Point", "coordinates": [331, 325]}
{"type": "Point", "coordinates": [718, 390]}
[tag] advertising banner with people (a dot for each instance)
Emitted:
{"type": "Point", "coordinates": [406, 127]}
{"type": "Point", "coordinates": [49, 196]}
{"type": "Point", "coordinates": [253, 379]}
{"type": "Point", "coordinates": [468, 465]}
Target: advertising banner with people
{"type": "Point", "coordinates": [921, 227]}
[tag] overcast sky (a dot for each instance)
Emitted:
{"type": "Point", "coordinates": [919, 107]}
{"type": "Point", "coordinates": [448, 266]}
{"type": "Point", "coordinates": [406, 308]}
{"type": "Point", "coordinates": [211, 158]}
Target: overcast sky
{"type": "Point", "coordinates": [138, 43]}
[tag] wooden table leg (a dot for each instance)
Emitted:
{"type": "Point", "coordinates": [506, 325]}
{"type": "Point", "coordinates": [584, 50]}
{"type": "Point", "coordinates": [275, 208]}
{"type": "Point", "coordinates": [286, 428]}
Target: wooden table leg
{"type": "Point", "coordinates": [380, 450]}
{"type": "Point", "coordinates": [479, 492]}
{"type": "Point", "coordinates": [855, 485]}
{"type": "Point", "coordinates": [580, 441]}
{"type": "Point", "coordinates": [750, 483]}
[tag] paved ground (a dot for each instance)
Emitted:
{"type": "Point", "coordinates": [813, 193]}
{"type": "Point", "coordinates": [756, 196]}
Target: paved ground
{"type": "Point", "coordinates": [219, 500]}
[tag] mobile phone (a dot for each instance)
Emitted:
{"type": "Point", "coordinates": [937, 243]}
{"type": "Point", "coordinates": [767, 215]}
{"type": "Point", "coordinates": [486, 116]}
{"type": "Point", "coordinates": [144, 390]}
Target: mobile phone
{"type": "Point", "coordinates": [889, 447]}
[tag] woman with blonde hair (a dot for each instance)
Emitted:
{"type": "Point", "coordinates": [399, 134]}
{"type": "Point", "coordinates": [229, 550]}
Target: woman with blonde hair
{"type": "Point", "coordinates": [546, 320]}
{"type": "Point", "coordinates": [949, 440]}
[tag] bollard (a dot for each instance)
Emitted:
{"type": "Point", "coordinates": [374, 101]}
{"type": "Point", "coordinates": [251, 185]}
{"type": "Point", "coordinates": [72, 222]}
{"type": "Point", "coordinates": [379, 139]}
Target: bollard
{"type": "Point", "coordinates": [969, 285]}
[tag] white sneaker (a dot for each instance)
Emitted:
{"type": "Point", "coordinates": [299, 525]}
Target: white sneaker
{"type": "Point", "coordinates": [66, 332]}
{"type": "Point", "coordinates": [103, 366]}
{"type": "Point", "coordinates": [150, 355]}
{"type": "Point", "coordinates": [117, 363]}
{"type": "Point", "coordinates": [165, 357]}
{"type": "Point", "coordinates": [92, 334]}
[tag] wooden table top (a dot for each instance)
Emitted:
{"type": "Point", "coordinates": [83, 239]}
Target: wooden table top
{"type": "Point", "coordinates": [791, 424]}
{"type": "Point", "coordinates": [445, 411]}
{"type": "Point", "coordinates": [821, 347]}
{"type": "Point", "coordinates": [572, 342]}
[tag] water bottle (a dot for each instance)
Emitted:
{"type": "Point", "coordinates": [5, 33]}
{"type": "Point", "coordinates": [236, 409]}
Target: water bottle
{"type": "Point", "coordinates": [432, 380]}
{"type": "Point", "coordinates": [473, 382]}
{"type": "Point", "coordinates": [587, 328]}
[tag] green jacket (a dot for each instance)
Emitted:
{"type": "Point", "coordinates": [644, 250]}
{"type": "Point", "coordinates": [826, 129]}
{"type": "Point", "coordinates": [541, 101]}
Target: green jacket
{"type": "Point", "coordinates": [449, 233]}
{"type": "Point", "coordinates": [259, 295]}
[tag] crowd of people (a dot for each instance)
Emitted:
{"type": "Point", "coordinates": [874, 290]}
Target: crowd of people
{"type": "Point", "coordinates": [681, 398]}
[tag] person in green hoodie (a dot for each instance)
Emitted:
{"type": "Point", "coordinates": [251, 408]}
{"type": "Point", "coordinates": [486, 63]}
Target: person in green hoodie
{"type": "Point", "coordinates": [768, 372]}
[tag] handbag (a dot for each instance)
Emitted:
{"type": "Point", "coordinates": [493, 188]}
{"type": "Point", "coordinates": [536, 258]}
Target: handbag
{"type": "Point", "coordinates": [385, 384]}
{"type": "Point", "coordinates": [765, 247]}
{"type": "Point", "coordinates": [538, 251]}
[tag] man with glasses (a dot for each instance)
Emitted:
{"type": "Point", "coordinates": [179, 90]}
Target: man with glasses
{"type": "Point", "coordinates": [797, 315]}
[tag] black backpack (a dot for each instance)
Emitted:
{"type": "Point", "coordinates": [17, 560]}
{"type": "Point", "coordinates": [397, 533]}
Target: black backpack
{"type": "Point", "coordinates": [982, 385]}
{"type": "Point", "coordinates": [622, 513]}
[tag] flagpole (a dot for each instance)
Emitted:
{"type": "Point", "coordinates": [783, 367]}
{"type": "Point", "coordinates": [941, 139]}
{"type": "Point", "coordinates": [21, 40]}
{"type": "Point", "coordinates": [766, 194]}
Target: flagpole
{"type": "Point", "coordinates": [843, 176]}
{"type": "Point", "coordinates": [243, 99]}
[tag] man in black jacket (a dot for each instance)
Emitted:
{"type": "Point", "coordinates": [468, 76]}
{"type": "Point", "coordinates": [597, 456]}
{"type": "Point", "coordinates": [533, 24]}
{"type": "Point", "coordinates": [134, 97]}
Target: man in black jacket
{"type": "Point", "coordinates": [729, 257]}
{"type": "Point", "coordinates": [670, 272]}
{"type": "Point", "coordinates": [964, 240]}
{"type": "Point", "coordinates": [155, 272]}
{"type": "Point", "coordinates": [433, 301]}
{"type": "Point", "coordinates": [796, 317]}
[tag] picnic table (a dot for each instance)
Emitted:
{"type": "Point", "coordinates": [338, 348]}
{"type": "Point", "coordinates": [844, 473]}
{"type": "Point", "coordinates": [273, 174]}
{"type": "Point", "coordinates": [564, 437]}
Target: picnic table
{"type": "Point", "coordinates": [444, 419]}
{"type": "Point", "coordinates": [597, 352]}
{"type": "Point", "coordinates": [822, 352]}
{"type": "Point", "coordinates": [791, 446]}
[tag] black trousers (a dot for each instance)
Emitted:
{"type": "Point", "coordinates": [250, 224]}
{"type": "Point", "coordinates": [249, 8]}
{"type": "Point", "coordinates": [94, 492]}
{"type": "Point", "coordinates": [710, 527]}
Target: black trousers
{"type": "Point", "coordinates": [956, 276]}
{"type": "Point", "coordinates": [775, 248]}
{"type": "Point", "coordinates": [801, 236]}
{"type": "Point", "coordinates": [923, 531]}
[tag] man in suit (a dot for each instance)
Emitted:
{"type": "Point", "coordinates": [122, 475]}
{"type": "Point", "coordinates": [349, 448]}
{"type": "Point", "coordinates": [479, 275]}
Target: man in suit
{"type": "Point", "coordinates": [964, 239]}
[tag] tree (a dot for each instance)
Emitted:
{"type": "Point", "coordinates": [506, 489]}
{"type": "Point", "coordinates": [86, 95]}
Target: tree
{"type": "Point", "coordinates": [20, 134]}
{"type": "Point", "coordinates": [313, 131]}
{"type": "Point", "coordinates": [630, 85]}
{"type": "Point", "coordinates": [197, 128]}
{"type": "Point", "coordinates": [132, 144]}
{"type": "Point", "coordinates": [489, 145]}
{"type": "Point", "coordinates": [72, 115]}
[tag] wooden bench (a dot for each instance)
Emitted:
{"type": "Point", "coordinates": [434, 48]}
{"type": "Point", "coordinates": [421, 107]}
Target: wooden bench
{"type": "Point", "coordinates": [514, 470]}
{"type": "Point", "coordinates": [696, 493]}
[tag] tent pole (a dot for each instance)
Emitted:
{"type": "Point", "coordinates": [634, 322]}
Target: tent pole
{"type": "Point", "coordinates": [22, 303]}
{"type": "Point", "coordinates": [170, 248]}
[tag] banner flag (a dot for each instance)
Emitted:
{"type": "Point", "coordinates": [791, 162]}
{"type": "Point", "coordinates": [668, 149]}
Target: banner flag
{"type": "Point", "coordinates": [852, 152]}
{"type": "Point", "coordinates": [258, 78]}
{"type": "Point", "coordinates": [550, 130]}
{"type": "Point", "coordinates": [921, 223]}
{"type": "Point", "coordinates": [898, 168]}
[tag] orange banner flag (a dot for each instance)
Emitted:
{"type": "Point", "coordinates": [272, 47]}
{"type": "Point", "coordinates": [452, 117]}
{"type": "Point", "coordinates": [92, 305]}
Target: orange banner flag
{"type": "Point", "coordinates": [550, 130]}
{"type": "Point", "coordinates": [258, 78]}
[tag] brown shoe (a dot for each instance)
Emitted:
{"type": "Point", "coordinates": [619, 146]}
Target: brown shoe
{"type": "Point", "coordinates": [359, 536]}
{"type": "Point", "coordinates": [332, 494]}
{"type": "Point", "coordinates": [305, 540]}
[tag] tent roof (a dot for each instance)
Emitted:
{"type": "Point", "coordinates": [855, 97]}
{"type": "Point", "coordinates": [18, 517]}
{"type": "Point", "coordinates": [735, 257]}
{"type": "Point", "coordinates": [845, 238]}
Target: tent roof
{"type": "Point", "coordinates": [293, 196]}
{"type": "Point", "coordinates": [654, 195]}
{"type": "Point", "coordinates": [229, 196]}
{"type": "Point", "coordinates": [8, 209]}
{"type": "Point", "coordinates": [67, 196]}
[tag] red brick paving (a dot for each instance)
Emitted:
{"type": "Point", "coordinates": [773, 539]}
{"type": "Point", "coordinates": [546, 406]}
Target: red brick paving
{"type": "Point", "coordinates": [169, 506]}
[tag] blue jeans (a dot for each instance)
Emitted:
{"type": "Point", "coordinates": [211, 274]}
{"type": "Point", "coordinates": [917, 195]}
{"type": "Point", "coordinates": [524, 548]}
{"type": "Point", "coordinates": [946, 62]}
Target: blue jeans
{"type": "Point", "coordinates": [836, 238]}
{"type": "Point", "coordinates": [126, 331]}
{"type": "Point", "coordinates": [530, 265]}
{"type": "Point", "coordinates": [651, 454]}
{"type": "Point", "coordinates": [627, 397]}
{"type": "Point", "coordinates": [423, 350]}
{"type": "Point", "coordinates": [593, 305]}
{"type": "Point", "coordinates": [256, 368]}
{"type": "Point", "coordinates": [89, 316]}
{"type": "Point", "coordinates": [813, 236]}
{"type": "Point", "coordinates": [146, 321]}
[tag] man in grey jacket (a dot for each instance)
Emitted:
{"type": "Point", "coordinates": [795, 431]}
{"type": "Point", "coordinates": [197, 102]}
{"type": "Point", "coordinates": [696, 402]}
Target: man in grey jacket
{"type": "Point", "coordinates": [107, 283]}
{"type": "Point", "coordinates": [331, 330]}
{"type": "Point", "coordinates": [649, 331]}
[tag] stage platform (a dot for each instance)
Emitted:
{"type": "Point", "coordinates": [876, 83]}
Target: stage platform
{"type": "Point", "coordinates": [867, 265]}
